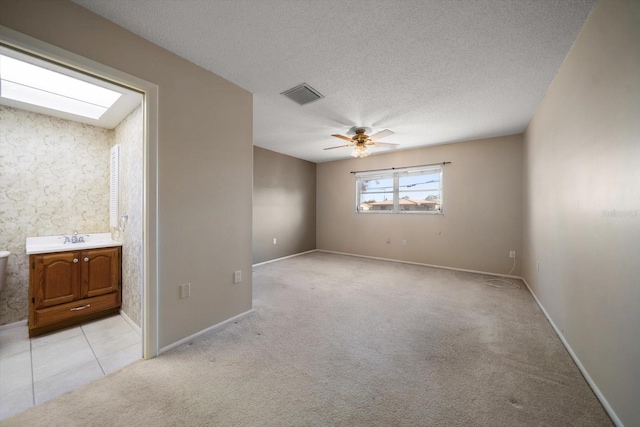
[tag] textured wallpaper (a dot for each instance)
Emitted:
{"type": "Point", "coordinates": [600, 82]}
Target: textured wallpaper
{"type": "Point", "coordinates": [129, 135]}
{"type": "Point", "coordinates": [54, 178]}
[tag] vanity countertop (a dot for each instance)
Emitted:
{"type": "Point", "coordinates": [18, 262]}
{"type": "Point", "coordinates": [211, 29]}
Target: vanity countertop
{"type": "Point", "coordinates": [49, 244]}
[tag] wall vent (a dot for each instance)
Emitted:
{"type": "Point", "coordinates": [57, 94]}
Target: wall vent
{"type": "Point", "coordinates": [302, 94]}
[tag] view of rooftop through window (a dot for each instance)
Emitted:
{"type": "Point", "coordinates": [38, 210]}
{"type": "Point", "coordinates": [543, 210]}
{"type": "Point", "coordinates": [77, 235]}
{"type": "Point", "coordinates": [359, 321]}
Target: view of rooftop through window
{"type": "Point", "coordinates": [408, 191]}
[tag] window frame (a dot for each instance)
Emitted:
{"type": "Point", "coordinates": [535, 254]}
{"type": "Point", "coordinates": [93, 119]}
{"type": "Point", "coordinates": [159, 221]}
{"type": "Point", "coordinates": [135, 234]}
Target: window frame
{"type": "Point", "coordinates": [396, 174]}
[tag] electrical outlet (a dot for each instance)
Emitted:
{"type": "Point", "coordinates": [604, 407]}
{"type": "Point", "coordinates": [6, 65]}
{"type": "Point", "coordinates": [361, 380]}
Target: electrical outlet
{"type": "Point", "coordinates": [512, 254]}
{"type": "Point", "coordinates": [275, 240]}
{"type": "Point", "coordinates": [185, 290]}
{"type": "Point", "coordinates": [404, 243]}
{"type": "Point", "coordinates": [388, 241]}
{"type": "Point", "coordinates": [237, 276]}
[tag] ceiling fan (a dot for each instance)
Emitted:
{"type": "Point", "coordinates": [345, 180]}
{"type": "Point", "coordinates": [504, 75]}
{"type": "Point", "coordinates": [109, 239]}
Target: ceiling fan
{"type": "Point", "coordinates": [361, 141]}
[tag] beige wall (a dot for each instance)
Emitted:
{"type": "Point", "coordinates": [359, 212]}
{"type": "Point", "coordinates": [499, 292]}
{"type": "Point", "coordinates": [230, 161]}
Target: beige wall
{"type": "Point", "coordinates": [482, 208]}
{"type": "Point", "coordinates": [284, 205]}
{"type": "Point", "coordinates": [204, 149]}
{"type": "Point", "coordinates": [54, 178]}
{"type": "Point", "coordinates": [582, 156]}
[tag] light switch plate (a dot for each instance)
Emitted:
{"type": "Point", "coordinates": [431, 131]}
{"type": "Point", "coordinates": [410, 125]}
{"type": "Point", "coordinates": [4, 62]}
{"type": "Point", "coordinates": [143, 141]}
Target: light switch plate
{"type": "Point", "coordinates": [185, 290]}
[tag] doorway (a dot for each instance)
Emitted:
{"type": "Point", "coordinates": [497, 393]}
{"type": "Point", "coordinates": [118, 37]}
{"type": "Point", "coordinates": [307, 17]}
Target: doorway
{"type": "Point", "coordinates": [31, 46]}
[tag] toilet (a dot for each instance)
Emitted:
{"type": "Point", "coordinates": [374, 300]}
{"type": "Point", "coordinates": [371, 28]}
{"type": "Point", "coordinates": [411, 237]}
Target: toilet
{"type": "Point", "coordinates": [4, 257]}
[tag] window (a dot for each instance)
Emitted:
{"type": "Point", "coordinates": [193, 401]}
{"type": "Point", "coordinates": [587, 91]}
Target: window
{"type": "Point", "coordinates": [31, 84]}
{"type": "Point", "coordinates": [404, 190]}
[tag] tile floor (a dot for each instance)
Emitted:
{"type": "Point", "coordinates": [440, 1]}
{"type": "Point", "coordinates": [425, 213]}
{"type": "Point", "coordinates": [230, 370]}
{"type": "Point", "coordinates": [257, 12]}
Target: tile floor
{"type": "Point", "coordinates": [35, 370]}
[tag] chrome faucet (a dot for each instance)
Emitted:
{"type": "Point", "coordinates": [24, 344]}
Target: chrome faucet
{"type": "Point", "coordinates": [74, 238]}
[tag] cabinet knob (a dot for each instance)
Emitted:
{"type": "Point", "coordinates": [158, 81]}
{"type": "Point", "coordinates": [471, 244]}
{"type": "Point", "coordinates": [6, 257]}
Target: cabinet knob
{"type": "Point", "coordinates": [75, 260]}
{"type": "Point", "coordinates": [86, 259]}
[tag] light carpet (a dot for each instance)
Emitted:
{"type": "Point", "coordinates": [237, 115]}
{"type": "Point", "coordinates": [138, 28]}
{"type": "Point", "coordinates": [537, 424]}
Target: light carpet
{"type": "Point", "coordinates": [341, 341]}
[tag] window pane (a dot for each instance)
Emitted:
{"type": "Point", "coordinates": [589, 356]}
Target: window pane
{"type": "Point", "coordinates": [419, 191]}
{"type": "Point", "coordinates": [414, 189]}
{"type": "Point", "coordinates": [376, 194]}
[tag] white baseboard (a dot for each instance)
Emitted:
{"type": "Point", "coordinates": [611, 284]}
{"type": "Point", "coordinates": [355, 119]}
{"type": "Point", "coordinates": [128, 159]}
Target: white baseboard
{"type": "Point", "coordinates": [422, 264]}
{"type": "Point", "coordinates": [584, 372]}
{"type": "Point", "coordinates": [284, 257]}
{"type": "Point", "coordinates": [204, 331]}
{"type": "Point", "coordinates": [131, 322]}
{"type": "Point", "coordinates": [13, 325]}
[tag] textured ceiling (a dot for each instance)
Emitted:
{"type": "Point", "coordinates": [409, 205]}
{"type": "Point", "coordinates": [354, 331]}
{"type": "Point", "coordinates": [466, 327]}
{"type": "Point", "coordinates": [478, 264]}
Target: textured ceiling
{"type": "Point", "coordinates": [434, 71]}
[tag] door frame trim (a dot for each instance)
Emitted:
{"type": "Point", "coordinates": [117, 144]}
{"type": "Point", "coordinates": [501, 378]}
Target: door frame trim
{"type": "Point", "coordinates": [17, 40]}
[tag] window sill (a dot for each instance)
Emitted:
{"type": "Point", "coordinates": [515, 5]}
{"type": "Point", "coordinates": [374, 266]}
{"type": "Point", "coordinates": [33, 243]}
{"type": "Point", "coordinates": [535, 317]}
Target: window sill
{"type": "Point", "coordinates": [399, 213]}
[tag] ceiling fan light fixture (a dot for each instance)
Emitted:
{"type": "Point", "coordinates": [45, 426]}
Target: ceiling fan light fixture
{"type": "Point", "coordinates": [360, 142]}
{"type": "Point", "coordinates": [360, 151]}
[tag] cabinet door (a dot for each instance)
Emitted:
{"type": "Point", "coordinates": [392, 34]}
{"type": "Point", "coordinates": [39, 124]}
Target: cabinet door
{"type": "Point", "coordinates": [100, 271]}
{"type": "Point", "coordinates": [56, 278]}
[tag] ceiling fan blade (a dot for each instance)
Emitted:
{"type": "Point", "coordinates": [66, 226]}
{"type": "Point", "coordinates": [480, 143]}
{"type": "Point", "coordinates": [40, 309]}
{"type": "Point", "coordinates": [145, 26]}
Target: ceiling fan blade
{"type": "Point", "coordinates": [385, 144]}
{"type": "Point", "coordinates": [346, 138]}
{"type": "Point", "coordinates": [380, 135]}
{"type": "Point", "coordinates": [339, 146]}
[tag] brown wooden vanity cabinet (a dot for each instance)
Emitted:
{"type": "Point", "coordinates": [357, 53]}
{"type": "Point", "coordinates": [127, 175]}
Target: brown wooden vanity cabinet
{"type": "Point", "coordinates": [66, 288]}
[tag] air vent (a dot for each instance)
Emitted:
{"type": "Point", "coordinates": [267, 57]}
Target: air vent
{"type": "Point", "coordinates": [302, 94]}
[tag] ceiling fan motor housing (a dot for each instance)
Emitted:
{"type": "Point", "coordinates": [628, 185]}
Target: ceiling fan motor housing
{"type": "Point", "coordinates": [361, 137]}
{"type": "Point", "coordinates": [361, 140]}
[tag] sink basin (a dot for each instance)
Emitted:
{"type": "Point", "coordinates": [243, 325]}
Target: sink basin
{"type": "Point", "coordinates": [48, 244]}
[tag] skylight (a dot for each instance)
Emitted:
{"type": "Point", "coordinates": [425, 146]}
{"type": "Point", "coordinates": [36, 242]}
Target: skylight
{"type": "Point", "coordinates": [24, 82]}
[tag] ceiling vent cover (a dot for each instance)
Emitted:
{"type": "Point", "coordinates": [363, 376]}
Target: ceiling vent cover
{"type": "Point", "coordinates": [302, 94]}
